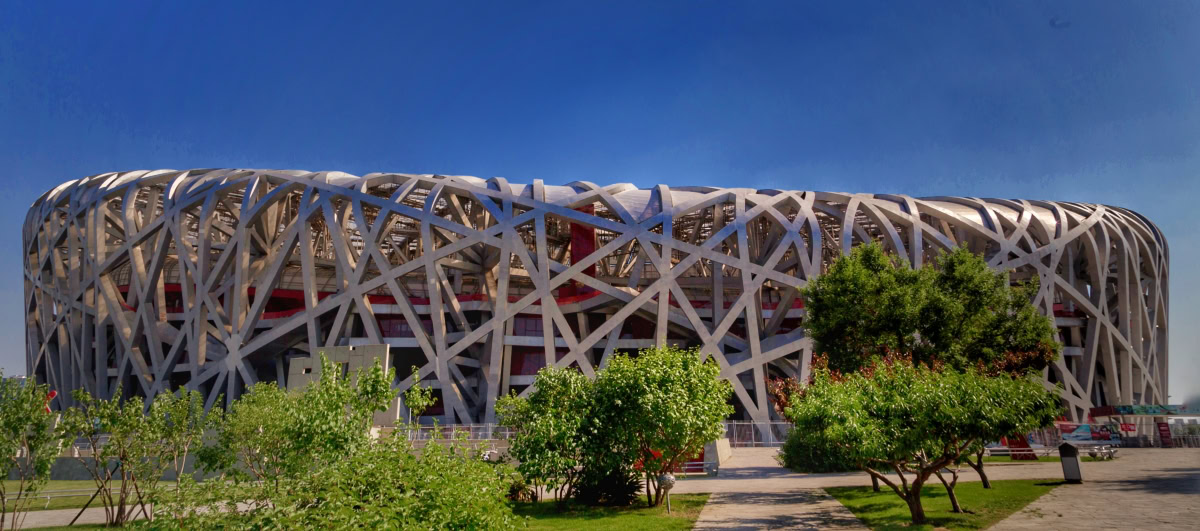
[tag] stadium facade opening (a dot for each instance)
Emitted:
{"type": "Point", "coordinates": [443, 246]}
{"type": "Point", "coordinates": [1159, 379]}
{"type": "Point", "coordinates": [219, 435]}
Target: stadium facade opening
{"type": "Point", "coordinates": [216, 279]}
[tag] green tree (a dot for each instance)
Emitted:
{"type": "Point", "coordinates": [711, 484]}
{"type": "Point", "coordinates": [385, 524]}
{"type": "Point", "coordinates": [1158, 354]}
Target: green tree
{"type": "Point", "coordinates": [657, 410]}
{"type": "Point", "coordinates": [914, 420]}
{"type": "Point", "coordinates": [250, 437]}
{"type": "Point", "coordinates": [121, 450]}
{"type": "Point", "coordinates": [417, 398]}
{"type": "Point", "coordinates": [176, 424]}
{"type": "Point", "coordinates": [546, 438]}
{"type": "Point", "coordinates": [955, 311]}
{"type": "Point", "coordinates": [28, 443]}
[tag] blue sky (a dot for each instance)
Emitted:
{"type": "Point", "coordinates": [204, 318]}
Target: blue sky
{"type": "Point", "coordinates": [1083, 101]}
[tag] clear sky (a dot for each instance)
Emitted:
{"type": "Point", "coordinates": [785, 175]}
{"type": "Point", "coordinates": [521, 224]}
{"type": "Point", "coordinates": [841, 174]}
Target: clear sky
{"type": "Point", "coordinates": [1082, 101]}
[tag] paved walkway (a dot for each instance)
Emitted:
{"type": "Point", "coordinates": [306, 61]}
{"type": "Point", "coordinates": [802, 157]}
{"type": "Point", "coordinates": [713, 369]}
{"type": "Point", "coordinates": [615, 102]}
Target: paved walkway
{"type": "Point", "coordinates": [62, 517]}
{"type": "Point", "coordinates": [795, 509]}
{"type": "Point", "coordinates": [753, 492]}
{"type": "Point", "coordinates": [1143, 489]}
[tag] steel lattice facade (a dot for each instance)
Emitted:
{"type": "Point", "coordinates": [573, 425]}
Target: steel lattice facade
{"type": "Point", "coordinates": [215, 279]}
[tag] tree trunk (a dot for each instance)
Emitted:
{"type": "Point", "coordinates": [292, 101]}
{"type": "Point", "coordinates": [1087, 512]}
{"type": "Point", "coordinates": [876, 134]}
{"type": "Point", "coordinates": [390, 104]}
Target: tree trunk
{"type": "Point", "coordinates": [649, 497]}
{"type": "Point", "coordinates": [914, 506]}
{"type": "Point", "coordinates": [954, 506]}
{"type": "Point", "coordinates": [978, 466]}
{"type": "Point", "coordinates": [875, 483]}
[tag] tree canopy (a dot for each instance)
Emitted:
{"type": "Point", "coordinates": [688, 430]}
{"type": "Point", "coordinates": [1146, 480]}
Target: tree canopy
{"type": "Point", "coordinates": [893, 415]}
{"type": "Point", "coordinates": [547, 442]}
{"type": "Point", "coordinates": [955, 311]}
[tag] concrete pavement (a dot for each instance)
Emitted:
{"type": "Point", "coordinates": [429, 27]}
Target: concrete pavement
{"type": "Point", "coordinates": [1143, 489]}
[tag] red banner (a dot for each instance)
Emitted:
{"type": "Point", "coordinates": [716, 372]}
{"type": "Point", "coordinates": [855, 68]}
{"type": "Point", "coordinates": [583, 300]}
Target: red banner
{"type": "Point", "coordinates": [1164, 432]}
{"type": "Point", "coordinates": [1019, 449]}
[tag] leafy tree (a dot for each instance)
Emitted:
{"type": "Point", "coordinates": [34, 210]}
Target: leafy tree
{"type": "Point", "coordinates": [176, 423]}
{"type": "Point", "coordinates": [659, 409]}
{"type": "Point", "coordinates": [250, 438]}
{"type": "Point", "coordinates": [417, 398]}
{"type": "Point", "coordinates": [28, 443]}
{"type": "Point", "coordinates": [122, 449]}
{"type": "Point", "coordinates": [546, 427]}
{"type": "Point", "coordinates": [955, 311]}
{"type": "Point", "coordinates": [915, 420]}
{"type": "Point", "coordinates": [976, 318]}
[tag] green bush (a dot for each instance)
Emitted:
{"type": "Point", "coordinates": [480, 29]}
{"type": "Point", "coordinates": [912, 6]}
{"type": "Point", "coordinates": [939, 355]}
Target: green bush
{"type": "Point", "coordinates": [306, 460]}
{"type": "Point", "coordinates": [810, 452]}
{"type": "Point", "coordinates": [386, 485]}
{"type": "Point", "coordinates": [547, 441]}
{"type": "Point", "coordinates": [642, 416]}
{"type": "Point", "coordinates": [657, 410]}
{"type": "Point", "coordinates": [608, 483]}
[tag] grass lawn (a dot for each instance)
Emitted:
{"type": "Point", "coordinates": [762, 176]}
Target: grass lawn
{"type": "Point", "coordinates": [685, 508]}
{"type": "Point", "coordinates": [60, 501]}
{"type": "Point", "coordinates": [885, 510]}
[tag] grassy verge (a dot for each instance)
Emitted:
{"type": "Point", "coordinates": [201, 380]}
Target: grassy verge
{"type": "Point", "coordinates": [685, 508]}
{"type": "Point", "coordinates": [885, 510]}
{"type": "Point", "coordinates": [63, 500]}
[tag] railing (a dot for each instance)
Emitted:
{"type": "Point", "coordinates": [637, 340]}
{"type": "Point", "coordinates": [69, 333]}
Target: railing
{"type": "Point", "coordinates": [742, 434]}
{"type": "Point", "coordinates": [470, 432]}
{"type": "Point", "coordinates": [1185, 441]}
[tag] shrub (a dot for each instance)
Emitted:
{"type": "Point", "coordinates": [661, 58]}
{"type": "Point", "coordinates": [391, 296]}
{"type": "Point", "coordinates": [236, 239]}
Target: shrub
{"type": "Point", "coordinates": [547, 441]}
{"type": "Point", "coordinates": [270, 434]}
{"type": "Point", "coordinates": [608, 482]}
{"type": "Point", "coordinates": [641, 417]}
{"type": "Point", "coordinates": [387, 485]}
{"type": "Point", "coordinates": [812, 453]}
{"type": "Point", "coordinates": [655, 411]}
{"type": "Point", "coordinates": [28, 444]}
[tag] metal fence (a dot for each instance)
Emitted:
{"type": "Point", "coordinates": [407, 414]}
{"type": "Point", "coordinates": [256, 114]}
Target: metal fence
{"type": "Point", "coordinates": [470, 432]}
{"type": "Point", "coordinates": [1186, 441]}
{"type": "Point", "coordinates": [742, 434]}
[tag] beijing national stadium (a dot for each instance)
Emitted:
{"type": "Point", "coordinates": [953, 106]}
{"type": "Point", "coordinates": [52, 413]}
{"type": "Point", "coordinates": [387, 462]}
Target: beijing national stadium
{"type": "Point", "coordinates": [212, 280]}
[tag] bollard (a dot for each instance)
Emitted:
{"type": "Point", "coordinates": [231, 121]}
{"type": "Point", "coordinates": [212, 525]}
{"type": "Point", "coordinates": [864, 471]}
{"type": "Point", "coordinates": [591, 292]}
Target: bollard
{"type": "Point", "coordinates": [1069, 455]}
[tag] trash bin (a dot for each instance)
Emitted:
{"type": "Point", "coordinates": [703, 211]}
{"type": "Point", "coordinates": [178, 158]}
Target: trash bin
{"type": "Point", "coordinates": [1069, 455]}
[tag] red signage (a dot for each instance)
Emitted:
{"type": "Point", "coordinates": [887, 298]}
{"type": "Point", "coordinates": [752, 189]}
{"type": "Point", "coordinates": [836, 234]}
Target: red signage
{"type": "Point", "coordinates": [1019, 449]}
{"type": "Point", "coordinates": [1164, 432]}
{"type": "Point", "coordinates": [1128, 427]}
